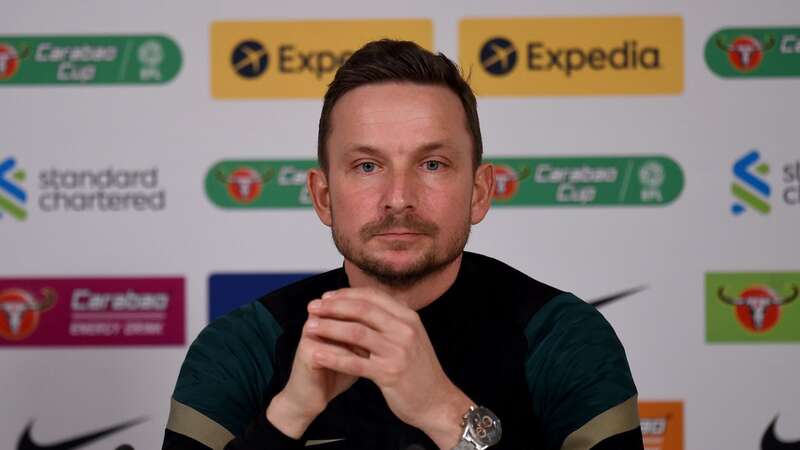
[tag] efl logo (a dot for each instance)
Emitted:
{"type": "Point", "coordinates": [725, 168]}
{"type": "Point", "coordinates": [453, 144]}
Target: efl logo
{"type": "Point", "coordinates": [573, 56]}
{"type": "Point", "coordinates": [12, 197]}
{"type": "Point", "coordinates": [662, 425]}
{"type": "Point", "coordinates": [294, 59]}
{"type": "Point", "coordinates": [754, 52]}
{"type": "Point", "coordinates": [91, 311]}
{"type": "Point", "coordinates": [747, 307]}
{"type": "Point", "coordinates": [749, 188]}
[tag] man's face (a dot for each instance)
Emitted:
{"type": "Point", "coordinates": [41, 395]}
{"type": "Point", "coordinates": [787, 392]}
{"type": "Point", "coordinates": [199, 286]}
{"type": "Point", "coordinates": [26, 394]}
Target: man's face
{"type": "Point", "coordinates": [400, 180]}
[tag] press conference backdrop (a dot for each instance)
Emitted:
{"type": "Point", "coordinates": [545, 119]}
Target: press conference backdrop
{"type": "Point", "coordinates": [153, 155]}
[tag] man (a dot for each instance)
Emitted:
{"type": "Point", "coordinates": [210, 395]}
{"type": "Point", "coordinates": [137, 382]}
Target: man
{"type": "Point", "coordinates": [414, 343]}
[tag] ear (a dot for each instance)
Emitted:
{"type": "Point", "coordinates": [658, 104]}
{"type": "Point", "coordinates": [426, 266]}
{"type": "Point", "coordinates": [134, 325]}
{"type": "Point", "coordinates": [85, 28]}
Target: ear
{"type": "Point", "coordinates": [317, 184]}
{"type": "Point", "coordinates": [482, 192]}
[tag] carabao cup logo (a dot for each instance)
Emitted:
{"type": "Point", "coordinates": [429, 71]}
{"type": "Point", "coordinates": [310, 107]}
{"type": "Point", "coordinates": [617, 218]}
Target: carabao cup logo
{"type": "Point", "coordinates": [9, 61]}
{"type": "Point", "coordinates": [244, 183]}
{"type": "Point", "coordinates": [506, 181]}
{"type": "Point", "coordinates": [745, 52]}
{"type": "Point", "coordinates": [748, 188]}
{"type": "Point", "coordinates": [12, 197]}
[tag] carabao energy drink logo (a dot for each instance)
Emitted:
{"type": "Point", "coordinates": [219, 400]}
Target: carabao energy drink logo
{"type": "Point", "coordinates": [241, 184]}
{"type": "Point", "coordinates": [754, 52]}
{"type": "Point", "coordinates": [586, 181]}
{"type": "Point", "coordinates": [752, 306]}
{"type": "Point", "coordinates": [87, 60]}
{"type": "Point", "coordinates": [21, 310]}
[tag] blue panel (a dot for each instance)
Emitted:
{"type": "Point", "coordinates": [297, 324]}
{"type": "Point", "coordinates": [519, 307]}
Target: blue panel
{"type": "Point", "coordinates": [228, 291]}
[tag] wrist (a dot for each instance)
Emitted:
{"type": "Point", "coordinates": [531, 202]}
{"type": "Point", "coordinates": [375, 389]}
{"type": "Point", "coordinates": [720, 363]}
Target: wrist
{"type": "Point", "coordinates": [291, 418]}
{"type": "Point", "coordinates": [445, 427]}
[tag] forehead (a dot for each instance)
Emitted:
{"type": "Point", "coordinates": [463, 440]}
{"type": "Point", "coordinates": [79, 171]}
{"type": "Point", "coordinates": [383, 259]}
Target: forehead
{"type": "Point", "coordinates": [385, 112]}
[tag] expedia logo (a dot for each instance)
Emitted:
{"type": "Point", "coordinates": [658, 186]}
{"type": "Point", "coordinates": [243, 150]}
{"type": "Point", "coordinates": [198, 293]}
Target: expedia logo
{"type": "Point", "coordinates": [574, 56]}
{"type": "Point", "coordinates": [754, 52]}
{"type": "Point", "coordinates": [498, 56]}
{"type": "Point", "coordinates": [249, 59]}
{"type": "Point", "coordinates": [294, 59]}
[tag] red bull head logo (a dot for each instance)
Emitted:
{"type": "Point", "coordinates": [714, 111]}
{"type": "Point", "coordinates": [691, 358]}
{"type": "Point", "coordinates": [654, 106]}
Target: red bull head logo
{"type": "Point", "coordinates": [506, 181]}
{"type": "Point", "coordinates": [746, 52]}
{"type": "Point", "coordinates": [20, 312]}
{"type": "Point", "coordinates": [244, 184]}
{"type": "Point", "coordinates": [758, 307]}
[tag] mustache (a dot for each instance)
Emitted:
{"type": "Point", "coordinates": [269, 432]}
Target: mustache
{"type": "Point", "coordinates": [410, 222]}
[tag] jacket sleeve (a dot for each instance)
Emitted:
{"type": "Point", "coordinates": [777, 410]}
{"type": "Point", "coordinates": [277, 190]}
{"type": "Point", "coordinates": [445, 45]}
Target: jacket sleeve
{"type": "Point", "coordinates": [579, 379]}
{"type": "Point", "coordinates": [223, 388]}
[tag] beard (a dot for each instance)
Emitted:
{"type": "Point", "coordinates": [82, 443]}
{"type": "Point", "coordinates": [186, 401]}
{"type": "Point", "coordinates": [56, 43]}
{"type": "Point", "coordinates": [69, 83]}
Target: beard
{"type": "Point", "coordinates": [430, 262]}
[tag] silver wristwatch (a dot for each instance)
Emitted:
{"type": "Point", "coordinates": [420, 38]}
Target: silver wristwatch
{"type": "Point", "coordinates": [481, 429]}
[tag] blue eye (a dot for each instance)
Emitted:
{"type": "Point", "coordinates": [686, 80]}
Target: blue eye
{"type": "Point", "coordinates": [367, 167]}
{"type": "Point", "coordinates": [432, 165]}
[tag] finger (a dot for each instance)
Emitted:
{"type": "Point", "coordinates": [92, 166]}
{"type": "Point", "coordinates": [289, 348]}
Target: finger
{"type": "Point", "coordinates": [355, 310]}
{"type": "Point", "coordinates": [375, 297]}
{"type": "Point", "coordinates": [314, 345]}
{"type": "Point", "coordinates": [351, 333]}
{"type": "Point", "coordinates": [348, 364]}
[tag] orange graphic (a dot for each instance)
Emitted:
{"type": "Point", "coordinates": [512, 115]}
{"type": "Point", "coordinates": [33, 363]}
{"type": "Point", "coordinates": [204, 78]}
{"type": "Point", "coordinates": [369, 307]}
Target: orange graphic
{"type": "Point", "coordinates": [662, 425]}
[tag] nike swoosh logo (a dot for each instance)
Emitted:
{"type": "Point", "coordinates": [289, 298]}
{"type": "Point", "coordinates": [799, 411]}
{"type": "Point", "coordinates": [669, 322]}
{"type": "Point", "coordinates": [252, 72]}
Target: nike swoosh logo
{"type": "Point", "coordinates": [26, 443]}
{"type": "Point", "coordinates": [322, 442]}
{"type": "Point", "coordinates": [771, 442]}
{"type": "Point", "coordinates": [614, 297]}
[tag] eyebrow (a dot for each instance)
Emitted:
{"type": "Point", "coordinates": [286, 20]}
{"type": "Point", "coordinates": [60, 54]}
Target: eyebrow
{"type": "Point", "coordinates": [424, 148]}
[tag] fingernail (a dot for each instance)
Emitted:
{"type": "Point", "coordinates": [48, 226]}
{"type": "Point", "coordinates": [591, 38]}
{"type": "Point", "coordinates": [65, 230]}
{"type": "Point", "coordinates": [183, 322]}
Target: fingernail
{"type": "Point", "coordinates": [313, 324]}
{"type": "Point", "coordinates": [328, 294]}
{"type": "Point", "coordinates": [316, 305]}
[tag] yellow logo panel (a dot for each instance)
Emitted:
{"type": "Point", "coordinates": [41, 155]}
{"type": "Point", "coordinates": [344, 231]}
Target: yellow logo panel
{"type": "Point", "coordinates": [573, 56]}
{"type": "Point", "coordinates": [294, 59]}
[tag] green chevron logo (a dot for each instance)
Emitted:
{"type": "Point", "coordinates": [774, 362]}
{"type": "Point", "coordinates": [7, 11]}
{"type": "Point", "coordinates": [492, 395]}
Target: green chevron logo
{"type": "Point", "coordinates": [12, 196]}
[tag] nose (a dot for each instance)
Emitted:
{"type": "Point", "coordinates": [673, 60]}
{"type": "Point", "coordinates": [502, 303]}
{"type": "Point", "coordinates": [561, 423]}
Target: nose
{"type": "Point", "coordinates": [401, 191]}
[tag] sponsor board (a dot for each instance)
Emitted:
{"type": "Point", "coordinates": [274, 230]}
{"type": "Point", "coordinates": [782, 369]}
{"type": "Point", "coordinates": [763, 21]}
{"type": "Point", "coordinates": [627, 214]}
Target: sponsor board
{"type": "Point", "coordinates": [754, 52]}
{"type": "Point", "coordinates": [752, 307]}
{"type": "Point", "coordinates": [228, 291]}
{"type": "Point", "coordinates": [531, 182]}
{"type": "Point", "coordinates": [587, 181]}
{"type": "Point", "coordinates": [662, 425]}
{"type": "Point", "coordinates": [259, 183]}
{"type": "Point", "coordinates": [573, 56]}
{"type": "Point", "coordinates": [91, 311]}
{"type": "Point", "coordinates": [294, 59]}
{"type": "Point", "coordinates": [80, 190]}
{"type": "Point", "coordinates": [88, 60]}
{"type": "Point", "coordinates": [752, 188]}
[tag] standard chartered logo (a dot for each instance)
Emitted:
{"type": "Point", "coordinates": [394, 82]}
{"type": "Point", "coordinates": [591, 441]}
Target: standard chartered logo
{"type": "Point", "coordinates": [12, 196]}
{"type": "Point", "coordinates": [748, 188]}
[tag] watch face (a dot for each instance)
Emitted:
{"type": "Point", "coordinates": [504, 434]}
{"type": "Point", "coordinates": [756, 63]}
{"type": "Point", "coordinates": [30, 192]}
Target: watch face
{"type": "Point", "coordinates": [485, 426]}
